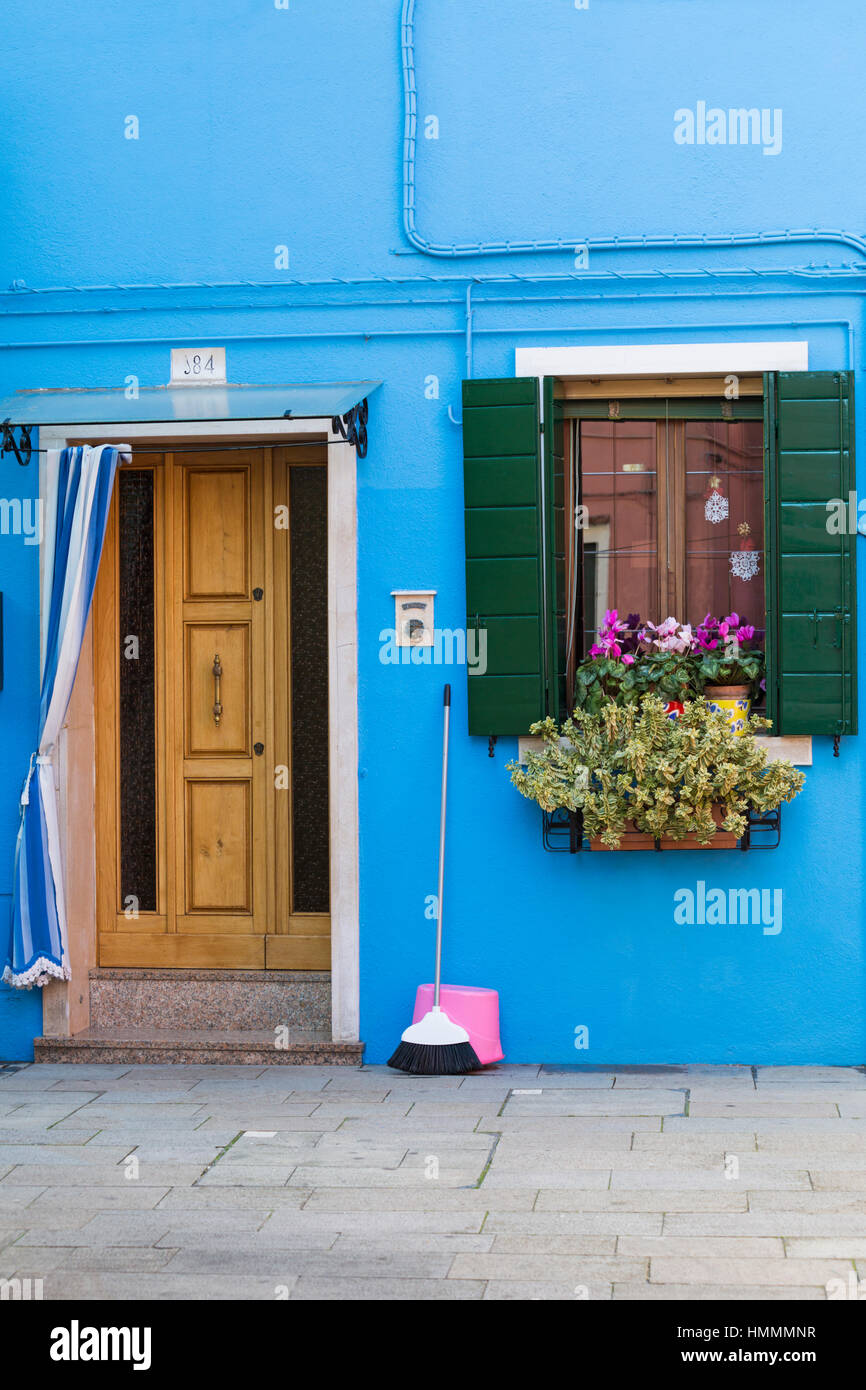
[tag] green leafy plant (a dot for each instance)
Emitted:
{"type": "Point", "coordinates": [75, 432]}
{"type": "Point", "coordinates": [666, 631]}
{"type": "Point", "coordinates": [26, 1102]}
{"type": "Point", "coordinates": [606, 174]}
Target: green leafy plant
{"type": "Point", "coordinates": [719, 668]}
{"type": "Point", "coordinates": [725, 652]}
{"type": "Point", "coordinates": [630, 764]}
{"type": "Point", "coordinates": [668, 674]}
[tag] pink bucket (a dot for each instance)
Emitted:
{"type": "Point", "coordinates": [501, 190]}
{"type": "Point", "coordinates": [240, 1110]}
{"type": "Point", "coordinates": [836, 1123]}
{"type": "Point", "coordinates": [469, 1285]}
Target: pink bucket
{"type": "Point", "coordinates": [475, 1009]}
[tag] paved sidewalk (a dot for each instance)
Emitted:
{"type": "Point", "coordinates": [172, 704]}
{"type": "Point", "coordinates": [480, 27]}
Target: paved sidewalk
{"type": "Point", "coordinates": [181, 1182]}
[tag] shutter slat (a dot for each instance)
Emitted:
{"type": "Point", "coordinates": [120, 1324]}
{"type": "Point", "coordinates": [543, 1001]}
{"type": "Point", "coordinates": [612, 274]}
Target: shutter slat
{"type": "Point", "coordinates": [812, 683]}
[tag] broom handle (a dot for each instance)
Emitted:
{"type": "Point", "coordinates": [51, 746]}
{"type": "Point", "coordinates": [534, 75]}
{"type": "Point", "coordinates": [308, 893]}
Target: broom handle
{"type": "Point", "coordinates": [441, 888]}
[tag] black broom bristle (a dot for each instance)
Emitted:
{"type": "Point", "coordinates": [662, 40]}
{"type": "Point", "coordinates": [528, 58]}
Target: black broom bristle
{"type": "Point", "coordinates": [419, 1059]}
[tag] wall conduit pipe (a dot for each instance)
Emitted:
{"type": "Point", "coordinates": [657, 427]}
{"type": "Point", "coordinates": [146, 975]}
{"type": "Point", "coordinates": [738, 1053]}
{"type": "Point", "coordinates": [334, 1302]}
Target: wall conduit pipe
{"type": "Point", "coordinates": [610, 243]}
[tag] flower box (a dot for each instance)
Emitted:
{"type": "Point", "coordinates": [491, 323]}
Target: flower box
{"type": "Point", "coordinates": [640, 839]}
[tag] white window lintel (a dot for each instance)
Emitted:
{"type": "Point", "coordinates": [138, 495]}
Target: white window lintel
{"type": "Point", "coordinates": [662, 359]}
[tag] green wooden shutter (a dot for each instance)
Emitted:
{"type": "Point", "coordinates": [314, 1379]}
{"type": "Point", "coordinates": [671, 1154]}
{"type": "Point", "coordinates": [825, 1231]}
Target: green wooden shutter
{"type": "Point", "coordinates": [504, 555]}
{"type": "Point", "coordinates": [811, 619]}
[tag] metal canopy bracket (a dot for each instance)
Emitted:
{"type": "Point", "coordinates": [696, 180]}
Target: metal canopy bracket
{"type": "Point", "coordinates": [353, 426]}
{"type": "Point", "coordinates": [21, 447]}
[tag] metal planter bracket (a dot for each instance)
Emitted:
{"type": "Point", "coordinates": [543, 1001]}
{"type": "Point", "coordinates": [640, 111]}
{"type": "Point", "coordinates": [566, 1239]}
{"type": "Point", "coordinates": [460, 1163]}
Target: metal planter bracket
{"type": "Point", "coordinates": [562, 832]}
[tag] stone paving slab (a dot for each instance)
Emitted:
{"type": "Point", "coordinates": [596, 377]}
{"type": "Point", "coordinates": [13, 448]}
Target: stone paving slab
{"type": "Point", "coordinates": [698, 1225]}
{"type": "Point", "coordinates": [263, 1197]}
{"type": "Point", "coordinates": [719, 1293]}
{"type": "Point", "coordinates": [680, 1179]}
{"type": "Point", "coordinates": [848, 1247]}
{"type": "Point", "coordinates": [12, 1199]}
{"type": "Point", "coordinates": [128, 1287]}
{"type": "Point", "coordinates": [574, 1102]}
{"type": "Point", "coordinates": [769, 1122]}
{"type": "Point", "coordinates": [839, 1180]}
{"type": "Point", "coordinates": [267, 1118]}
{"type": "Point", "coordinates": [375, 1223]}
{"type": "Point", "coordinates": [25, 1262]}
{"type": "Point", "coordinates": [807, 1201]}
{"type": "Point", "coordinates": [413, 1290]}
{"type": "Point", "coordinates": [810, 1076]}
{"type": "Point", "coordinates": [693, 1199]}
{"type": "Point", "coordinates": [358, 1244]}
{"type": "Point", "coordinates": [520, 1183]}
{"type": "Point", "coordinates": [524, 1158]}
{"type": "Point", "coordinates": [572, 1178]}
{"type": "Point", "coordinates": [429, 1197]}
{"type": "Point", "coordinates": [566, 1127]}
{"type": "Point", "coordinates": [777, 1108]}
{"type": "Point", "coordinates": [548, 1223]}
{"type": "Point", "coordinates": [697, 1270]}
{"type": "Point", "coordinates": [122, 1259]}
{"type": "Point", "coordinates": [545, 1290]}
{"type": "Point", "coordinates": [577, 1269]}
{"type": "Point", "coordinates": [79, 1175]}
{"type": "Point", "coordinates": [719, 1247]}
{"type": "Point", "coordinates": [554, 1244]}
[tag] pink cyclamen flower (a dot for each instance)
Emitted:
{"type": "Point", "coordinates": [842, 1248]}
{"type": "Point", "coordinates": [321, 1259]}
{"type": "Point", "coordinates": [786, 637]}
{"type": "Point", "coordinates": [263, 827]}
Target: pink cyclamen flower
{"type": "Point", "coordinates": [628, 659]}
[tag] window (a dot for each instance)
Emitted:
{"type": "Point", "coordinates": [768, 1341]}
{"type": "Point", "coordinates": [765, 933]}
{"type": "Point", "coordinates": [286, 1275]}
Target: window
{"type": "Point", "coordinates": [643, 462]}
{"type": "Point", "coordinates": [669, 521]}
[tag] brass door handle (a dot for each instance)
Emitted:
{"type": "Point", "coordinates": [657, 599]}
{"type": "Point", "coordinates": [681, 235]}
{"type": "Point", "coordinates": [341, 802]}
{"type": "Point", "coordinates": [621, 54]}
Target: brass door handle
{"type": "Point", "coordinates": [217, 677]}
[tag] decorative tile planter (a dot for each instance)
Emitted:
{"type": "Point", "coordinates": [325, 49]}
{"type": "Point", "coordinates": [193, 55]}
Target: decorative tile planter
{"type": "Point", "coordinates": [734, 701]}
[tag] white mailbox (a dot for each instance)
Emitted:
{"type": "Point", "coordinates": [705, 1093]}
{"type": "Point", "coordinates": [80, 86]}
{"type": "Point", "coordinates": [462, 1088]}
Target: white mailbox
{"type": "Point", "coordinates": [413, 617]}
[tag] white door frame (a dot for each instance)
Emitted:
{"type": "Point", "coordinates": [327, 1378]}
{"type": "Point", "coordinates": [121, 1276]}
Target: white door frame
{"type": "Point", "coordinates": [78, 832]}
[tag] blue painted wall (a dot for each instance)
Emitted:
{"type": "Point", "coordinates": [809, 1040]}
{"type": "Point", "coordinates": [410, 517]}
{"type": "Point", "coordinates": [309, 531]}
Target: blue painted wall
{"type": "Point", "coordinates": [261, 127]}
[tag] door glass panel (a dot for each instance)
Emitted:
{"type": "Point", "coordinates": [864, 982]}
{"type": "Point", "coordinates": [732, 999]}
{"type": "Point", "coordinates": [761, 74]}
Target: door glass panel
{"type": "Point", "coordinates": [725, 520]}
{"type": "Point", "coordinates": [620, 544]}
{"type": "Point", "coordinates": [136, 624]}
{"type": "Point", "coordinates": [308, 541]}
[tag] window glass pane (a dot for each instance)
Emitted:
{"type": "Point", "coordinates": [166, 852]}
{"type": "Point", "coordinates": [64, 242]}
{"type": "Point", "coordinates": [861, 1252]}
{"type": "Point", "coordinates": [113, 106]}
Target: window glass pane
{"type": "Point", "coordinates": [725, 520]}
{"type": "Point", "coordinates": [138, 872]}
{"type": "Point", "coordinates": [308, 540]}
{"type": "Point", "coordinates": [620, 536]}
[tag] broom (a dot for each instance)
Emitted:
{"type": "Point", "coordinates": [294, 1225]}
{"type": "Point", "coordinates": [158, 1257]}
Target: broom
{"type": "Point", "coordinates": [436, 1046]}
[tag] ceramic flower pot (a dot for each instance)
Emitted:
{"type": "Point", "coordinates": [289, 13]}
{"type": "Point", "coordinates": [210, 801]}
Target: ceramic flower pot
{"type": "Point", "coordinates": [674, 708]}
{"type": "Point", "coordinates": [734, 701]}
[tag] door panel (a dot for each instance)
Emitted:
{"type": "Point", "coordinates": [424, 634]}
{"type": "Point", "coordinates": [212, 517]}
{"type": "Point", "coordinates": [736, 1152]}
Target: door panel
{"type": "Point", "coordinates": [206, 734]}
{"type": "Point", "coordinates": [211, 581]}
{"type": "Point", "coordinates": [218, 846]}
{"type": "Point", "coordinates": [216, 532]}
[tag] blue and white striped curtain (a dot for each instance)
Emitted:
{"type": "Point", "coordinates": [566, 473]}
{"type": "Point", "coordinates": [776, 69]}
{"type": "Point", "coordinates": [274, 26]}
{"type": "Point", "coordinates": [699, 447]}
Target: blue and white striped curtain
{"type": "Point", "coordinates": [79, 484]}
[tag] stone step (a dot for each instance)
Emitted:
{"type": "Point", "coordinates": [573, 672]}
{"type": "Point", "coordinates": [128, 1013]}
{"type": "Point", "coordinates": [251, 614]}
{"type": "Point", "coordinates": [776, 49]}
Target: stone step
{"type": "Point", "coordinates": [210, 999]}
{"type": "Point", "coordinates": [236, 1047]}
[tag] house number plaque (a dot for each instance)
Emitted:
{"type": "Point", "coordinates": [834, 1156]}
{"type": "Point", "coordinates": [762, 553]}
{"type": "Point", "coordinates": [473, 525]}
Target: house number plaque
{"type": "Point", "coordinates": [198, 366]}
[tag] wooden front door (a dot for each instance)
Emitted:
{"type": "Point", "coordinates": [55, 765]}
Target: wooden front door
{"type": "Point", "coordinates": [210, 647]}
